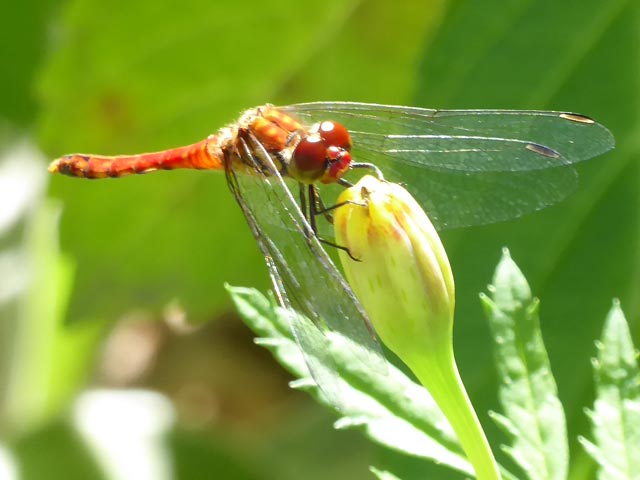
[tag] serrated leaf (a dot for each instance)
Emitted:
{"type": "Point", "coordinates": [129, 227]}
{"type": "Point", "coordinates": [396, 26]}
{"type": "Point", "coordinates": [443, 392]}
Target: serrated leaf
{"type": "Point", "coordinates": [615, 418]}
{"type": "Point", "coordinates": [533, 416]}
{"type": "Point", "coordinates": [391, 409]}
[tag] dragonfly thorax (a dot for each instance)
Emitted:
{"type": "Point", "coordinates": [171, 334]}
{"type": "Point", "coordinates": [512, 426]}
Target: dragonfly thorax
{"type": "Point", "coordinates": [319, 153]}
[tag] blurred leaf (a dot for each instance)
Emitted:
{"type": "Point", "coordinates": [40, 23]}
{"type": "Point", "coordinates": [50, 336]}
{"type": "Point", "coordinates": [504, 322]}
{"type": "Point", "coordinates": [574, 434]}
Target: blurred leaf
{"type": "Point", "coordinates": [23, 34]}
{"type": "Point", "coordinates": [128, 78]}
{"type": "Point", "coordinates": [533, 419]}
{"type": "Point", "coordinates": [123, 435]}
{"type": "Point", "coordinates": [370, 54]}
{"type": "Point", "coordinates": [561, 39]}
{"type": "Point", "coordinates": [42, 363]}
{"type": "Point", "coordinates": [49, 360]}
{"type": "Point", "coordinates": [573, 55]}
{"type": "Point", "coordinates": [196, 458]}
{"type": "Point", "coordinates": [391, 409]}
{"type": "Point", "coordinates": [615, 418]}
{"type": "Point", "coordinates": [135, 77]}
{"type": "Point", "coordinates": [55, 452]}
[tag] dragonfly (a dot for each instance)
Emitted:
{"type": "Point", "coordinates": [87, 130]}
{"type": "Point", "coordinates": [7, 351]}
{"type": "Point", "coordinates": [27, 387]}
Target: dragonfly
{"type": "Point", "coordinates": [466, 167]}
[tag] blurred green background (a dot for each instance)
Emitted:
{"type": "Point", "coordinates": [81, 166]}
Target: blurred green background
{"type": "Point", "coordinates": [101, 283]}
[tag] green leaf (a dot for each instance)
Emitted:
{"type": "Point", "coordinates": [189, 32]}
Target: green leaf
{"type": "Point", "coordinates": [22, 39]}
{"type": "Point", "coordinates": [615, 418]}
{"type": "Point", "coordinates": [533, 415]}
{"type": "Point", "coordinates": [125, 434]}
{"type": "Point", "coordinates": [391, 409]}
{"type": "Point", "coordinates": [55, 451]}
{"type": "Point", "coordinates": [49, 359]}
{"type": "Point", "coordinates": [548, 54]}
{"type": "Point", "coordinates": [42, 360]}
{"type": "Point", "coordinates": [139, 76]}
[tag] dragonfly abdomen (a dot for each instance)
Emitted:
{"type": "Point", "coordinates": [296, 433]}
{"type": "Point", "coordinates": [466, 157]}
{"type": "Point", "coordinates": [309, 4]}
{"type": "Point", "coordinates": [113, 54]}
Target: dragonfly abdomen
{"type": "Point", "coordinates": [203, 155]}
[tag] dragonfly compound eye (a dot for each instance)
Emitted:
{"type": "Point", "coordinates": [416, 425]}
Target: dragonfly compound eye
{"type": "Point", "coordinates": [309, 160]}
{"type": "Point", "coordinates": [334, 134]}
{"type": "Point", "coordinates": [339, 162]}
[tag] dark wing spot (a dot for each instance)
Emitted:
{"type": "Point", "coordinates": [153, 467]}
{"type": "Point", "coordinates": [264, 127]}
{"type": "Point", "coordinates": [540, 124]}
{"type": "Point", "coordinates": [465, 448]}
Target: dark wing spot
{"type": "Point", "coordinates": [542, 150]}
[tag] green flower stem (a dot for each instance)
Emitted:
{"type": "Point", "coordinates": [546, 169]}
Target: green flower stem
{"type": "Point", "coordinates": [438, 372]}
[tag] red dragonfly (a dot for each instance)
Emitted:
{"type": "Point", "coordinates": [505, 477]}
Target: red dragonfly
{"type": "Point", "coordinates": [466, 167]}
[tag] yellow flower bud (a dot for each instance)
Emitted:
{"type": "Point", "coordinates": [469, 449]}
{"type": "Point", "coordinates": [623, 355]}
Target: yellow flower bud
{"type": "Point", "coordinates": [399, 271]}
{"type": "Point", "coordinates": [403, 277]}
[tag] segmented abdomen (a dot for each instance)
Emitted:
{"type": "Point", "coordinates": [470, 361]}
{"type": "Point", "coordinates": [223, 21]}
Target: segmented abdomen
{"type": "Point", "coordinates": [205, 154]}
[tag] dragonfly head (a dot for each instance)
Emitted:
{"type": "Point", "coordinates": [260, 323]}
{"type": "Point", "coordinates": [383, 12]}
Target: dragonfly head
{"type": "Point", "coordinates": [323, 155]}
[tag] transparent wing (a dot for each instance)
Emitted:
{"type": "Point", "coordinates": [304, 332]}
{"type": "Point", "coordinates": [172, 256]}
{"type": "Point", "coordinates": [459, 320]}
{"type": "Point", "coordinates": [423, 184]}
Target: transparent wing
{"type": "Point", "coordinates": [455, 199]}
{"type": "Point", "coordinates": [469, 167]}
{"type": "Point", "coordinates": [304, 277]}
{"type": "Point", "coordinates": [467, 140]}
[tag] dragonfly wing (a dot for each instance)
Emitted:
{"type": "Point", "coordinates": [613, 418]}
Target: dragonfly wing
{"type": "Point", "coordinates": [456, 139]}
{"type": "Point", "coordinates": [456, 199]}
{"type": "Point", "coordinates": [470, 167]}
{"type": "Point", "coordinates": [305, 278]}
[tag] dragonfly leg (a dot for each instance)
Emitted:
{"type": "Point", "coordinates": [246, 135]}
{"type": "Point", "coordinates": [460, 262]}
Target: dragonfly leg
{"type": "Point", "coordinates": [313, 204]}
{"type": "Point", "coordinates": [303, 200]}
{"type": "Point", "coordinates": [339, 247]}
{"type": "Point", "coordinates": [317, 207]}
{"type": "Point", "coordinates": [320, 208]}
{"type": "Point", "coordinates": [369, 166]}
{"type": "Point", "coordinates": [325, 210]}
